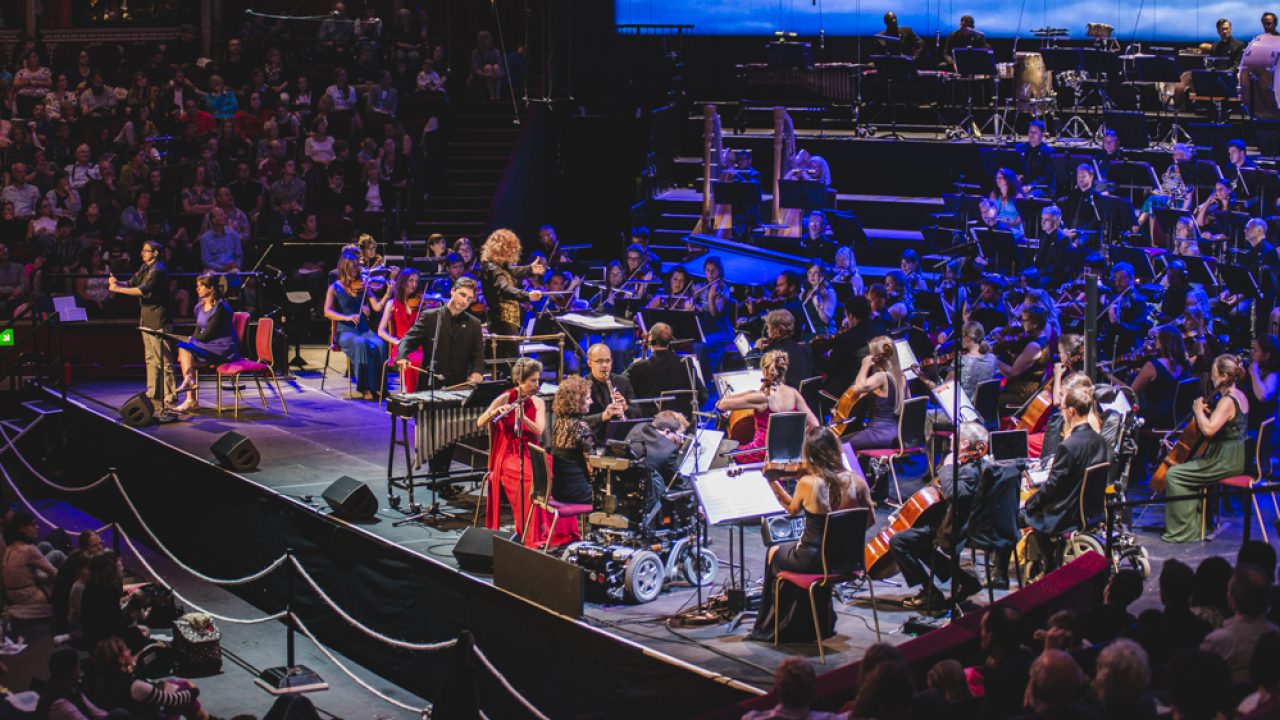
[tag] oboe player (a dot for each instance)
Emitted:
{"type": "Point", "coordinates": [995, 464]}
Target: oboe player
{"type": "Point", "coordinates": [611, 395]}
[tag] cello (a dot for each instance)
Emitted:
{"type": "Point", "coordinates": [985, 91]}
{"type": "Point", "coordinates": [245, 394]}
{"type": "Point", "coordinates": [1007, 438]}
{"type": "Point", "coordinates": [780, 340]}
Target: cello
{"type": "Point", "coordinates": [1190, 443]}
{"type": "Point", "coordinates": [741, 424]}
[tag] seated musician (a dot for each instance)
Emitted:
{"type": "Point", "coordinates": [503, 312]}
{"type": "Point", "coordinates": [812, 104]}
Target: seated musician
{"type": "Point", "coordinates": [965, 36]}
{"type": "Point", "coordinates": [845, 270]}
{"type": "Point", "coordinates": [678, 292]}
{"type": "Point", "coordinates": [1173, 192]}
{"type": "Point", "coordinates": [657, 446]}
{"type": "Point", "coordinates": [824, 488]}
{"type": "Point", "coordinates": [611, 395]}
{"type": "Point", "coordinates": [456, 268]}
{"type": "Point", "coordinates": [820, 299]}
{"type": "Point", "coordinates": [774, 396]}
{"type": "Point", "coordinates": [880, 321]}
{"type": "Point", "coordinates": [849, 346]}
{"type": "Point", "coordinates": [1060, 257]}
{"type": "Point", "coordinates": [1034, 296]}
{"type": "Point", "coordinates": [1065, 376]}
{"type": "Point", "coordinates": [398, 316]}
{"type": "Point", "coordinates": [1213, 216]}
{"type": "Point", "coordinates": [1055, 508]}
{"type": "Point", "coordinates": [1262, 384]}
{"type": "Point", "coordinates": [817, 231]}
{"type": "Point", "coordinates": [571, 441]}
{"type": "Point", "coordinates": [1111, 153]}
{"type": "Point", "coordinates": [1186, 237]}
{"type": "Point", "coordinates": [1223, 423]}
{"type": "Point", "coordinates": [1024, 373]}
{"type": "Point", "coordinates": [977, 363]}
{"type": "Point", "coordinates": [714, 303]}
{"type": "Point", "coordinates": [637, 271]}
{"type": "Point", "coordinates": [780, 335]}
{"type": "Point", "coordinates": [898, 290]}
{"type": "Point", "coordinates": [549, 245]}
{"type": "Point", "coordinates": [510, 470]}
{"type": "Point", "coordinates": [1039, 178]}
{"type": "Point", "coordinates": [1004, 195]}
{"type": "Point", "coordinates": [952, 290]}
{"type": "Point", "coordinates": [346, 304]}
{"type": "Point", "coordinates": [786, 295]}
{"type": "Point", "coordinates": [1159, 377]}
{"type": "Point", "coordinates": [664, 372]}
{"type": "Point", "coordinates": [213, 342]}
{"type": "Point", "coordinates": [466, 251]}
{"type": "Point", "coordinates": [613, 291]}
{"type": "Point", "coordinates": [1197, 329]}
{"type": "Point", "coordinates": [989, 307]}
{"type": "Point", "coordinates": [915, 549]}
{"type": "Point", "coordinates": [1126, 316]}
{"type": "Point", "coordinates": [460, 353]}
{"type": "Point", "coordinates": [1081, 206]}
{"type": "Point", "coordinates": [1238, 160]}
{"type": "Point", "coordinates": [1176, 286]}
{"type": "Point", "coordinates": [881, 378]}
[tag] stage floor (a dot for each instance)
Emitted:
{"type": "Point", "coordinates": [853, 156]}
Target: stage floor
{"type": "Point", "coordinates": [326, 435]}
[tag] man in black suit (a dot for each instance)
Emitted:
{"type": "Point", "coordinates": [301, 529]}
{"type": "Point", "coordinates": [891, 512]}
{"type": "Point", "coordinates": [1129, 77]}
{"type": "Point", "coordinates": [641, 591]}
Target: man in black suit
{"type": "Point", "coordinates": [909, 43]}
{"type": "Point", "coordinates": [1055, 508]}
{"type": "Point", "coordinates": [460, 354]}
{"type": "Point", "coordinates": [780, 334]}
{"type": "Point", "coordinates": [611, 395]}
{"type": "Point", "coordinates": [849, 346]}
{"type": "Point", "coordinates": [1038, 177]}
{"type": "Point", "coordinates": [1059, 258]}
{"type": "Point", "coordinates": [1081, 205]}
{"type": "Point", "coordinates": [664, 372]}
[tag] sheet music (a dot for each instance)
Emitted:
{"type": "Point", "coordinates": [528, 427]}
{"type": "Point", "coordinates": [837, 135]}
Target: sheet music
{"type": "Point", "coordinates": [67, 310]}
{"type": "Point", "coordinates": [741, 381]}
{"type": "Point", "coordinates": [906, 358]}
{"type": "Point", "coordinates": [728, 498]}
{"type": "Point", "coordinates": [708, 444]}
{"type": "Point", "coordinates": [945, 394]}
{"type": "Point", "coordinates": [594, 322]}
{"type": "Point", "coordinates": [1120, 404]}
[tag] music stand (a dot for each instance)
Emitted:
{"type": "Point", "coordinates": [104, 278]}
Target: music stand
{"type": "Point", "coordinates": [685, 325]}
{"type": "Point", "coordinates": [1130, 127]}
{"type": "Point", "coordinates": [784, 442]}
{"type": "Point", "coordinates": [995, 158]}
{"type": "Point", "coordinates": [1198, 271]}
{"type": "Point", "coordinates": [974, 64]}
{"type": "Point", "coordinates": [1030, 209]}
{"type": "Point", "coordinates": [999, 247]}
{"type": "Point", "coordinates": [807, 195]}
{"type": "Point", "coordinates": [741, 196]}
{"type": "Point", "coordinates": [927, 301]}
{"type": "Point", "coordinates": [1217, 87]}
{"type": "Point", "coordinates": [734, 500]}
{"type": "Point", "coordinates": [1257, 183]}
{"type": "Point", "coordinates": [894, 68]}
{"type": "Point", "coordinates": [1139, 258]}
{"type": "Point", "coordinates": [1241, 282]}
{"type": "Point", "coordinates": [1133, 175]}
{"type": "Point", "coordinates": [846, 230]}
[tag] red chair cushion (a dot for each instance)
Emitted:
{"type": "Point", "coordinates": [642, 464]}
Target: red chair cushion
{"type": "Point", "coordinates": [570, 508]}
{"type": "Point", "coordinates": [942, 433]}
{"type": "Point", "coordinates": [805, 580]}
{"type": "Point", "coordinates": [241, 366]}
{"type": "Point", "coordinates": [890, 452]}
{"type": "Point", "coordinates": [1238, 481]}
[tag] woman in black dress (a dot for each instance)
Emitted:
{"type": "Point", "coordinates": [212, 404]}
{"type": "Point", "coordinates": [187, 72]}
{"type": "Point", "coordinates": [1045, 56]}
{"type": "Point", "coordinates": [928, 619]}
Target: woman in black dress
{"type": "Point", "coordinates": [825, 487]}
{"type": "Point", "coordinates": [571, 441]}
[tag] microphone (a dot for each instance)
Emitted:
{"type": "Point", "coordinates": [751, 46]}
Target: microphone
{"type": "Point", "coordinates": [699, 413]}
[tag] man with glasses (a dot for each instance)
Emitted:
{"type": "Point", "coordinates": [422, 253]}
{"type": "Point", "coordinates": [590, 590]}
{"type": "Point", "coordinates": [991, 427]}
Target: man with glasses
{"type": "Point", "coordinates": [151, 286]}
{"type": "Point", "coordinates": [611, 395]}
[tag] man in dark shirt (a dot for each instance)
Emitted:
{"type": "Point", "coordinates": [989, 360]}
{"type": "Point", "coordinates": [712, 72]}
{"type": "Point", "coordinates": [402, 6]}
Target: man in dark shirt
{"type": "Point", "coordinates": [966, 36]}
{"type": "Point", "coordinates": [606, 404]}
{"type": "Point", "coordinates": [657, 446]}
{"type": "Point", "coordinates": [1038, 177]}
{"type": "Point", "coordinates": [849, 346]}
{"type": "Point", "coordinates": [909, 43]}
{"type": "Point", "coordinates": [1227, 45]}
{"type": "Point", "coordinates": [1055, 507]}
{"type": "Point", "coordinates": [780, 334]}
{"type": "Point", "coordinates": [664, 372]}
{"type": "Point", "coordinates": [151, 286]}
{"type": "Point", "coordinates": [460, 354]}
{"type": "Point", "coordinates": [249, 193]}
{"type": "Point", "coordinates": [1081, 207]}
{"type": "Point", "coordinates": [1059, 259]}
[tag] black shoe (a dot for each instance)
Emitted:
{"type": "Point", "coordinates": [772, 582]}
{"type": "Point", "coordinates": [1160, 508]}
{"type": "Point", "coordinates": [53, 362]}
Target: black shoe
{"type": "Point", "coordinates": [999, 582]}
{"type": "Point", "coordinates": [931, 599]}
{"type": "Point", "coordinates": [965, 585]}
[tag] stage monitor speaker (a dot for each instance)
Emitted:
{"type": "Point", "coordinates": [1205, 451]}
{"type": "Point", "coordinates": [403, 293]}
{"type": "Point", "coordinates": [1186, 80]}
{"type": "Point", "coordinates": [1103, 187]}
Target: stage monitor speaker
{"type": "Point", "coordinates": [351, 499]}
{"type": "Point", "coordinates": [474, 550]}
{"type": "Point", "coordinates": [137, 411]}
{"type": "Point", "coordinates": [236, 452]}
{"type": "Point", "coordinates": [544, 579]}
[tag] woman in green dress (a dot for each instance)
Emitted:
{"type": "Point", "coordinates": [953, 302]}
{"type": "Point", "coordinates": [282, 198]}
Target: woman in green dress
{"type": "Point", "coordinates": [1224, 455]}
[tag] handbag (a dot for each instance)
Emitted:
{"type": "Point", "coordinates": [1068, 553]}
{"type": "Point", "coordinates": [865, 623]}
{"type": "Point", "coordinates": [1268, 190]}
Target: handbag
{"type": "Point", "coordinates": [197, 643]}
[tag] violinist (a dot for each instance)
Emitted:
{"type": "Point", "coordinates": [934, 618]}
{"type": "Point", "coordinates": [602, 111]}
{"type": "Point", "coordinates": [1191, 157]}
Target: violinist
{"type": "Point", "coordinates": [898, 289]}
{"type": "Point", "coordinates": [549, 245]}
{"type": "Point", "coordinates": [678, 294]}
{"type": "Point", "coordinates": [1223, 423]}
{"type": "Point", "coordinates": [460, 354]}
{"type": "Point", "coordinates": [467, 252]}
{"type": "Point", "coordinates": [638, 271]}
{"type": "Point", "coordinates": [849, 346]}
{"type": "Point", "coordinates": [1065, 375]}
{"type": "Point", "coordinates": [878, 298]}
{"type": "Point", "coordinates": [498, 277]}
{"type": "Point", "coordinates": [845, 270]}
{"type": "Point", "coordinates": [1176, 285]}
{"type": "Point", "coordinates": [786, 295]}
{"type": "Point", "coordinates": [346, 304]}
{"type": "Point", "coordinates": [825, 487]}
{"type": "Point", "coordinates": [1159, 377]}
{"type": "Point", "coordinates": [558, 282]}
{"type": "Point", "coordinates": [820, 299]}
{"type": "Point", "coordinates": [1197, 331]}
{"type": "Point", "coordinates": [909, 264]}
{"type": "Point", "coordinates": [715, 310]}
{"type": "Point", "coordinates": [988, 308]}
{"type": "Point", "coordinates": [977, 362]}
{"type": "Point", "coordinates": [780, 335]}
{"type": "Point", "coordinates": [915, 549]}
{"type": "Point", "coordinates": [614, 281]}
{"type": "Point", "coordinates": [515, 419]}
{"type": "Point", "coordinates": [1262, 380]}
{"type": "Point", "coordinates": [398, 315]}
{"type": "Point", "coordinates": [1123, 321]}
{"type": "Point", "coordinates": [1031, 350]}
{"type": "Point", "coordinates": [953, 292]}
{"type": "Point", "coordinates": [774, 396]}
{"type": "Point", "coordinates": [456, 268]}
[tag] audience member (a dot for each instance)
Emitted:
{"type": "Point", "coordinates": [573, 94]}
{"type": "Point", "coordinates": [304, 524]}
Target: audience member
{"type": "Point", "coordinates": [1120, 683]}
{"type": "Point", "coordinates": [1199, 686]}
{"type": "Point", "coordinates": [1234, 641]}
{"type": "Point", "coordinates": [795, 684]}
{"type": "Point", "coordinates": [63, 697]}
{"type": "Point", "coordinates": [1209, 598]}
{"type": "Point", "coordinates": [1002, 676]}
{"type": "Point", "coordinates": [1165, 633]}
{"type": "Point", "coordinates": [28, 574]}
{"type": "Point", "coordinates": [113, 683]}
{"type": "Point", "coordinates": [1055, 688]}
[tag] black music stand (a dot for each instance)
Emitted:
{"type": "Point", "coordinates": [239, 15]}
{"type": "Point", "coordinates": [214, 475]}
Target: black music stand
{"type": "Point", "coordinates": [685, 325]}
{"type": "Point", "coordinates": [807, 195]}
{"type": "Point", "coordinates": [1217, 87]}
{"type": "Point", "coordinates": [930, 303]}
{"type": "Point", "coordinates": [847, 230]}
{"type": "Point", "coordinates": [1259, 184]}
{"type": "Point", "coordinates": [1139, 258]}
{"type": "Point", "coordinates": [1133, 175]}
{"type": "Point", "coordinates": [974, 64]}
{"type": "Point", "coordinates": [999, 248]}
{"type": "Point", "coordinates": [1241, 282]}
{"type": "Point", "coordinates": [1030, 209]}
{"type": "Point", "coordinates": [1130, 127]}
{"type": "Point", "coordinates": [743, 197]}
{"type": "Point", "coordinates": [1166, 222]}
{"type": "Point", "coordinates": [1198, 271]}
{"type": "Point", "coordinates": [893, 69]}
{"type": "Point", "coordinates": [1200, 174]}
{"type": "Point", "coordinates": [995, 158]}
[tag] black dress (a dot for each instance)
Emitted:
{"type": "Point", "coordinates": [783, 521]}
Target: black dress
{"type": "Point", "coordinates": [571, 440]}
{"type": "Point", "coordinates": [1157, 397]}
{"type": "Point", "coordinates": [794, 623]}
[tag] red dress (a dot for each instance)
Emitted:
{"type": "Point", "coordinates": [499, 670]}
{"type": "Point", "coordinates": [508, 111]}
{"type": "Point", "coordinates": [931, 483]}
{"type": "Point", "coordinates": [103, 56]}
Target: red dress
{"type": "Point", "coordinates": [402, 318]}
{"type": "Point", "coordinates": [507, 462]}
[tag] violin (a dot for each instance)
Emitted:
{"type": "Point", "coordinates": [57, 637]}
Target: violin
{"type": "Point", "coordinates": [413, 302]}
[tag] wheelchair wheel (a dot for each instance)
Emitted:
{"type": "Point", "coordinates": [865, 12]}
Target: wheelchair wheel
{"type": "Point", "coordinates": [643, 579]}
{"type": "Point", "coordinates": [699, 568]}
{"type": "Point", "coordinates": [1080, 543]}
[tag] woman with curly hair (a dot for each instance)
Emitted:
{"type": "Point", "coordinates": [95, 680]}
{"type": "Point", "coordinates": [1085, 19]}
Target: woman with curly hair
{"type": "Point", "coordinates": [571, 442]}
{"type": "Point", "coordinates": [500, 279]}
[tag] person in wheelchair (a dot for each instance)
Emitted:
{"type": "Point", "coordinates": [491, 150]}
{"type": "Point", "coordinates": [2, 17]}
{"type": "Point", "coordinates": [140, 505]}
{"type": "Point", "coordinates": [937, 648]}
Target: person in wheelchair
{"type": "Point", "coordinates": [1055, 508]}
{"type": "Point", "coordinates": [656, 445]}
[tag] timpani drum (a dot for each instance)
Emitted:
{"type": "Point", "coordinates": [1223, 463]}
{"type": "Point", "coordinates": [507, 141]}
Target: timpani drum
{"type": "Point", "coordinates": [1258, 81]}
{"type": "Point", "coordinates": [1033, 82]}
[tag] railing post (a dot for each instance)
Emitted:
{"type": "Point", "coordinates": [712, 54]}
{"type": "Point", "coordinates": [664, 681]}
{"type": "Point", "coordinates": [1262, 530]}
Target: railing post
{"type": "Point", "coordinates": [288, 606]}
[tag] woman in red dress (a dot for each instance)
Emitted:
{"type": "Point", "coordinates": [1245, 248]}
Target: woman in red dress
{"type": "Point", "coordinates": [510, 471]}
{"type": "Point", "coordinates": [398, 316]}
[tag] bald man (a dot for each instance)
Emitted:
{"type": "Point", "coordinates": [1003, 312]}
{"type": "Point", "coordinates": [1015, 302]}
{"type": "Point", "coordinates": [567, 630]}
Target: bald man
{"type": "Point", "coordinates": [665, 371]}
{"type": "Point", "coordinates": [606, 404]}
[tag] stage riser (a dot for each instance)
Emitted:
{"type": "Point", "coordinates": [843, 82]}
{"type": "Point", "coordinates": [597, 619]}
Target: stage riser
{"type": "Point", "coordinates": [227, 526]}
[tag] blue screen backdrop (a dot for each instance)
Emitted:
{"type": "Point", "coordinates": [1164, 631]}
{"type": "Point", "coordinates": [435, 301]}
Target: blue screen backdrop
{"type": "Point", "coordinates": [1145, 20]}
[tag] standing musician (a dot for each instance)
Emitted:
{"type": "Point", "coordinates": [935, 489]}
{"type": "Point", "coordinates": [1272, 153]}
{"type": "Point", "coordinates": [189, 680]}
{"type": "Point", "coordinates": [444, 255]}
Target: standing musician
{"type": "Point", "coordinates": [460, 355]}
{"type": "Point", "coordinates": [965, 36]}
{"type": "Point", "coordinates": [151, 286]}
{"type": "Point", "coordinates": [510, 468]}
{"type": "Point", "coordinates": [611, 395]}
{"type": "Point", "coordinates": [820, 299]}
{"type": "Point", "coordinates": [1055, 508]}
{"type": "Point", "coordinates": [825, 487]}
{"type": "Point", "coordinates": [915, 549]}
{"type": "Point", "coordinates": [399, 315]}
{"type": "Point", "coordinates": [498, 277]}
{"type": "Point", "coordinates": [1024, 373]}
{"type": "Point", "coordinates": [664, 371]}
{"type": "Point", "coordinates": [1223, 423]}
{"type": "Point", "coordinates": [780, 335]}
{"type": "Point", "coordinates": [346, 303]}
{"type": "Point", "coordinates": [909, 42]}
{"type": "Point", "coordinates": [773, 397]}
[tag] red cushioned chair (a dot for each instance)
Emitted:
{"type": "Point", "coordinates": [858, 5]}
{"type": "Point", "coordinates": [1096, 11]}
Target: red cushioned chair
{"type": "Point", "coordinates": [911, 440]}
{"type": "Point", "coordinates": [239, 326]}
{"type": "Point", "coordinates": [540, 496]}
{"type": "Point", "coordinates": [844, 535]}
{"type": "Point", "coordinates": [1262, 461]}
{"type": "Point", "coordinates": [262, 368]}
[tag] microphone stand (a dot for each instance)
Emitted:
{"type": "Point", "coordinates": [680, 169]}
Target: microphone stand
{"type": "Point", "coordinates": [697, 456]}
{"type": "Point", "coordinates": [432, 514]}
